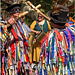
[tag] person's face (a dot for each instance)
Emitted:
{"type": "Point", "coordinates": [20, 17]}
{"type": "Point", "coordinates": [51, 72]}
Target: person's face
{"type": "Point", "coordinates": [40, 17]}
{"type": "Point", "coordinates": [16, 14]}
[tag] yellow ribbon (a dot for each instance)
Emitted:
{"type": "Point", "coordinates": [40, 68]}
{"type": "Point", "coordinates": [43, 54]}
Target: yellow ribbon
{"type": "Point", "coordinates": [50, 73]}
{"type": "Point", "coordinates": [4, 38]}
{"type": "Point", "coordinates": [18, 50]}
{"type": "Point", "coordinates": [9, 72]}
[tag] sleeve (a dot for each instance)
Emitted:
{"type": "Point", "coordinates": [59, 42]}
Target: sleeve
{"type": "Point", "coordinates": [49, 26]}
{"type": "Point", "coordinates": [32, 26]}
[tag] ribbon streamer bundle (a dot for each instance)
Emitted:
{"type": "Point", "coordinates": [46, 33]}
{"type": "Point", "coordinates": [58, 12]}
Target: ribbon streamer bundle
{"type": "Point", "coordinates": [57, 55]}
{"type": "Point", "coordinates": [14, 49]}
{"type": "Point", "coordinates": [15, 46]}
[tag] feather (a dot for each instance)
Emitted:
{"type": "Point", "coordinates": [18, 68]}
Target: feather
{"type": "Point", "coordinates": [64, 2]}
{"type": "Point", "coordinates": [59, 1]}
{"type": "Point", "coordinates": [71, 8]}
{"type": "Point", "coordinates": [72, 12]}
{"type": "Point", "coordinates": [55, 8]}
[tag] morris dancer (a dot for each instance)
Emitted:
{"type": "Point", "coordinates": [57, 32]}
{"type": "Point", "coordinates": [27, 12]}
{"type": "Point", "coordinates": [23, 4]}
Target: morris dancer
{"type": "Point", "coordinates": [57, 55]}
{"type": "Point", "coordinates": [17, 43]}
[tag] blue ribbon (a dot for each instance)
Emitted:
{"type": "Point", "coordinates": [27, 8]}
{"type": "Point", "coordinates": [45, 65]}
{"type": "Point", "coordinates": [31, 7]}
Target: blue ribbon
{"type": "Point", "coordinates": [8, 71]}
{"type": "Point", "coordinates": [70, 58]}
{"type": "Point", "coordinates": [72, 35]}
{"type": "Point", "coordinates": [26, 27]}
{"type": "Point", "coordinates": [7, 64]}
{"type": "Point", "coordinates": [72, 25]}
{"type": "Point", "coordinates": [52, 53]}
{"type": "Point", "coordinates": [1, 33]}
{"type": "Point", "coordinates": [45, 71]}
{"type": "Point", "coordinates": [41, 71]}
{"type": "Point", "coordinates": [70, 22]}
{"type": "Point", "coordinates": [4, 64]}
{"type": "Point", "coordinates": [67, 37]}
{"type": "Point", "coordinates": [68, 72]}
{"type": "Point", "coordinates": [74, 59]}
{"type": "Point", "coordinates": [22, 58]}
{"type": "Point", "coordinates": [66, 58]}
{"type": "Point", "coordinates": [48, 53]}
{"type": "Point", "coordinates": [48, 57]}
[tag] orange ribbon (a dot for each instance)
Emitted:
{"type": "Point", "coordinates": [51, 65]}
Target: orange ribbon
{"type": "Point", "coordinates": [65, 41]}
{"type": "Point", "coordinates": [60, 38]}
{"type": "Point", "coordinates": [71, 19]}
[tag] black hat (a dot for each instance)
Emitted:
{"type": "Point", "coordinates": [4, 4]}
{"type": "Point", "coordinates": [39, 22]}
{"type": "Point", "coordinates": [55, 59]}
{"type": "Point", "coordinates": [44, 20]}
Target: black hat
{"type": "Point", "coordinates": [59, 14]}
{"type": "Point", "coordinates": [12, 8]}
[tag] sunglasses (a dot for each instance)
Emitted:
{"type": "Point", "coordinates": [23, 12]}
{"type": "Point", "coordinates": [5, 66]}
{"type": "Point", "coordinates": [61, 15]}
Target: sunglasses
{"type": "Point", "coordinates": [17, 10]}
{"type": "Point", "coordinates": [40, 16]}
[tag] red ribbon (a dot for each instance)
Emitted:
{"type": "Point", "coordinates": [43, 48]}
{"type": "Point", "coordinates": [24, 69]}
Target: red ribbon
{"type": "Point", "coordinates": [3, 15]}
{"type": "Point", "coordinates": [63, 59]}
{"type": "Point", "coordinates": [67, 24]}
{"type": "Point", "coordinates": [16, 37]}
{"type": "Point", "coordinates": [13, 50]}
{"type": "Point", "coordinates": [2, 65]}
{"type": "Point", "coordinates": [60, 38]}
{"type": "Point", "coordinates": [27, 59]}
{"type": "Point", "coordinates": [65, 41]}
{"type": "Point", "coordinates": [18, 67]}
{"type": "Point", "coordinates": [56, 69]}
{"type": "Point", "coordinates": [13, 47]}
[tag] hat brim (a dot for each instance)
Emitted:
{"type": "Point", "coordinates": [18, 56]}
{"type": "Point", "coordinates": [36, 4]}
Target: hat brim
{"type": "Point", "coordinates": [10, 7]}
{"type": "Point", "coordinates": [55, 20]}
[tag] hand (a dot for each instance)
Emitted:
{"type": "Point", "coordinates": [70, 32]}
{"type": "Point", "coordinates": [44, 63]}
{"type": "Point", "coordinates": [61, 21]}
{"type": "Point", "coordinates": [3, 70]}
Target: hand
{"type": "Point", "coordinates": [34, 40]}
{"type": "Point", "coordinates": [11, 21]}
{"type": "Point", "coordinates": [37, 32]}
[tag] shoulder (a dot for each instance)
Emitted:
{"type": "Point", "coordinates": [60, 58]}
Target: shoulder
{"type": "Point", "coordinates": [34, 21]}
{"type": "Point", "coordinates": [33, 24]}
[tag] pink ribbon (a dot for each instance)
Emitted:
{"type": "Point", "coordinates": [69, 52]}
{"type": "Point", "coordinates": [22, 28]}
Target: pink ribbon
{"type": "Point", "coordinates": [60, 51]}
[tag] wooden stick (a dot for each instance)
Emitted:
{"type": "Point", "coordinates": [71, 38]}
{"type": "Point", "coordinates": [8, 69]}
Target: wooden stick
{"type": "Point", "coordinates": [64, 2]}
{"type": "Point", "coordinates": [37, 10]}
{"type": "Point", "coordinates": [24, 13]}
{"type": "Point", "coordinates": [21, 15]}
